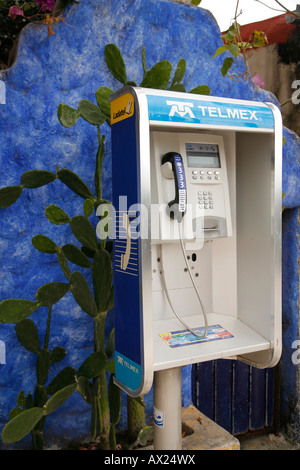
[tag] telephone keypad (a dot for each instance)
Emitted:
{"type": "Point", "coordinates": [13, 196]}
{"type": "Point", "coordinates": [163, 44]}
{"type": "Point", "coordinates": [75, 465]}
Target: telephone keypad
{"type": "Point", "coordinates": [206, 199]}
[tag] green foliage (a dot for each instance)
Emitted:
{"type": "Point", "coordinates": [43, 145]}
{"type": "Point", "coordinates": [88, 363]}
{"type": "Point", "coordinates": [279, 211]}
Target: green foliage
{"type": "Point", "coordinates": [76, 256]}
{"type": "Point", "coordinates": [44, 244]}
{"type": "Point", "coordinates": [9, 195]}
{"type": "Point", "coordinates": [82, 294]}
{"type": "Point", "coordinates": [37, 178]}
{"type": "Point", "coordinates": [234, 44]}
{"type": "Point", "coordinates": [159, 76]}
{"type": "Point", "coordinates": [59, 398]}
{"type": "Point", "coordinates": [115, 63]}
{"type": "Point", "coordinates": [84, 232]}
{"type": "Point", "coordinates": [21, 425]}
{"type": "Point", "coordinates": [56, 215]}
{"type": "Point", "coordinates": [15, 310]}
{"type": "Point", "coordinates": [51, 293]}
{"type": "Point", "coordinates": [75, 183]}
{"type": "Point", "coordinates": [93, 254]}
{"type": "Point", "coordinates": [93, 365]}
{"type": "Point", "coordinates": [28, 336]}
{"type": "Point", "coordinates": [68, 116]}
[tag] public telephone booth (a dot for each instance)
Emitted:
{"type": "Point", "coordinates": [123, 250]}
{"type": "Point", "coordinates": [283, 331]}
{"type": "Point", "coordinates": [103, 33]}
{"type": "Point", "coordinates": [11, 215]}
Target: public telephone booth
{"type": "Point", "coordinates": [197, 249]}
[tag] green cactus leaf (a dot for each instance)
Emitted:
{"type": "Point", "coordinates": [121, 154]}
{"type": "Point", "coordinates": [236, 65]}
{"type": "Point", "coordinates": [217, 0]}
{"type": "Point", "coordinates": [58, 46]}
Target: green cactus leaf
{"type": "Point", "coordinates": [9, 195]}
{"type": "Point", "coordinates": [44, 244]}
{"type": "Point", "coordinates": [110, 301]}
{"type": "Point", "coordinates": [98, 170]}
{"type": "Point", "coordinates": [59, 398]}
{"type": "Point", "coordinates": [115, 62]}
{"type": "Point", "coordinates": [61, 258]}
{"type": "Point", "coordinates": [159, 76]}
{"type": "Point", "coordinates": [82, 294]}
{"type": "Point", "coordinates": [75, 256]}
{"type": "Point", "coordinates": [112, 437]}
{"type": "Point", "coordinates": [144, 434]}
{"type": "Point", "coordinates": [67, 115]}
{"type": "Point", "coordinates": [102, 278]}
{"type": "Point", "coordinates": [111, 366]}
{"type": "Point", "coordinates": [114, 398]}
{"type": "Point", "coordinates": [88, 207]}
{"type": "Point", "coordinates": [14, 412]}
{"type": "Point", "coordinates": [65, 377]}
{"type": "Point", "coordinates": [70, 179]}
{"type": "Point", "coordinates": [179, 72]}
{"type": "Point", "coordinates": [28, 336]}
{"type": "Point", "coordinates": [85, 388]}
{"type": "Point", "coordinates": [29, 402]}
{"type": "Point", "coordinates": [21, 398]}
{"type": "Point", "coordinates": [40, 395]}
{"type": "Point", "coordinates": [58, 353]}
{"type": "Point", "coordinates": [93, 365]}
{"type": "Point", "coordinates": [102, 97]}
{"type": "Point", "coordinates": [201, 90]}
{"type": "Point", "coordinates": [56, 215]}
{"type": "Point", "coordinates": [91, 113]}
{"type": "Point", "coordinates": [84, 232]}
{"type": "Point", "coordinates": [43, 365]}
{"type": "Point", "coordinates": [15, 310]}
{"type": "Point", "coordinates": [21, 425]}
{"type": "Point", "coordinates": [177, 87]}
{"type": "Point", "coordinates": [37, 178]}
{"type": "Point", "coordinates": [51, 293]}
{"type": "Point", "coordinates": [110, 348]}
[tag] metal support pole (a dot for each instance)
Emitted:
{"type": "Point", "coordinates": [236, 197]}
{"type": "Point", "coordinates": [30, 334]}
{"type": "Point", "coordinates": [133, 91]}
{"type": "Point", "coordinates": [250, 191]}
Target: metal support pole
{"type": "Point", "coordinates": [167, 410]}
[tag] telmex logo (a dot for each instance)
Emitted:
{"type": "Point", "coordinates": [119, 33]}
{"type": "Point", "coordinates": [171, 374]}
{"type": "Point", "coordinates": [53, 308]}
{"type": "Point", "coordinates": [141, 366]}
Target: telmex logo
{"type": "Point", "coordinates": [183, 109]}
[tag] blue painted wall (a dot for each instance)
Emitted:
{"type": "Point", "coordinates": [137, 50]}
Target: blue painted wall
{"type": "Point", "coordinates": [67, 67]}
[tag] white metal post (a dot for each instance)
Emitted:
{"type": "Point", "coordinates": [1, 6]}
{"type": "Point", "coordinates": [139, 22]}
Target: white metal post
{"type": "Point", "coordinates": [167, 410]}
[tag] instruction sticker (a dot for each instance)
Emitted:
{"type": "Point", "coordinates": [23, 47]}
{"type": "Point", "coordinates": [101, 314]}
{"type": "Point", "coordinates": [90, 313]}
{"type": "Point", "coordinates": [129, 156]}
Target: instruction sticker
{"type": "Point", "coordinates": [159, 418]}
{"type": "Point", "coordinates": [179, 338]}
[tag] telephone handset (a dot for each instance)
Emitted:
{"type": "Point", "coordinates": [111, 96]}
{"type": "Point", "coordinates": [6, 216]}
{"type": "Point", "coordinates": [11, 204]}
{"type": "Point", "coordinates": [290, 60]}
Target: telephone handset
{"type": "Point", "coordinates": [176, 210]}
{"type": "Point", "coordinates": [177, 207]}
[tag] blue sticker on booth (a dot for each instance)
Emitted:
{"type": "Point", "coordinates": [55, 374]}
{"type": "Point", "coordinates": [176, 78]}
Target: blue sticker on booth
{"type": "Point", "coordinates": [211, 113]}
{"type": "Point", "coordinates": [127, 371]}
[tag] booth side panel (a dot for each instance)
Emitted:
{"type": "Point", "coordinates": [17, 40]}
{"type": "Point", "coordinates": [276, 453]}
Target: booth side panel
{"type": "Point", "coordinates": [126, 256]}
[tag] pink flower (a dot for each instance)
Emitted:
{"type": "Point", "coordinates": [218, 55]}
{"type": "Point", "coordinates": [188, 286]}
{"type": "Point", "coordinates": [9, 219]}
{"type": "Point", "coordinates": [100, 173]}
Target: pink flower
{"type": "Point", "coordinates": [258, 81]}
{"type": "Point", "coordinates": [14, 11]}
{"type": "Point", "coordinates": [45, 4]}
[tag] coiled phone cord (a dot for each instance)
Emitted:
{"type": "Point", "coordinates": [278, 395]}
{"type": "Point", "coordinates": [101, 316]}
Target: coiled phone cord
{"type": "Point", "coordinates": [194, 284]}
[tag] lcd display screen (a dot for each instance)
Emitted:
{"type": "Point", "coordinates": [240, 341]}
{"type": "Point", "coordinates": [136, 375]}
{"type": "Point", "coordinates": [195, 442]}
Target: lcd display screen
{"type": "Point", "coordinates": [202, 155]}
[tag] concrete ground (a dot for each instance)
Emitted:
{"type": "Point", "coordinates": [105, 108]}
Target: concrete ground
{"type": "Point", "coordinates": [268, 442]}
{"type": "Point", "coordinates": [207, 435]}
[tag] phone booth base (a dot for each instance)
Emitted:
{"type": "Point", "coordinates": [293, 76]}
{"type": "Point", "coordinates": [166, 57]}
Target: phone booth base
{"type": "Point", "coordinates": [231, 153]}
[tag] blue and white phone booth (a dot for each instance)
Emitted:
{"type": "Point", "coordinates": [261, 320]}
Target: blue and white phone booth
{"type": "Point", "coordinates": [197, 239]}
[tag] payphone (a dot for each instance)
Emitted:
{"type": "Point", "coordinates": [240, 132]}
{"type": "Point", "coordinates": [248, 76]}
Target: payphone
{"type": "Point", "coordinates": [197, 249]}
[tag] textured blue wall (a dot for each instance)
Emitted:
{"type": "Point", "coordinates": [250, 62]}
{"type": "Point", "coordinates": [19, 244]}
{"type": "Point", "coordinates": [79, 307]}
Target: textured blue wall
{"type": "Point", "coordinates": [289, 365]}
{"type": "Point", "coordinates": [67, 67]}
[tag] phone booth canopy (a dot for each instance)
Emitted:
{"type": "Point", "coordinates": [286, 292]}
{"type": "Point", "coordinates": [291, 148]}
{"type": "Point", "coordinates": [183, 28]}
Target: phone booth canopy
{"type": "Point", "coordinates": [197, 232]}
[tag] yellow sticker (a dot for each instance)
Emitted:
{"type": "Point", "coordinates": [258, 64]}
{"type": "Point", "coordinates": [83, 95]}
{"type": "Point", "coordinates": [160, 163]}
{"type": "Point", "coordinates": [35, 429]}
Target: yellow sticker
{"type": "Point", "coordinates": [122, 108]}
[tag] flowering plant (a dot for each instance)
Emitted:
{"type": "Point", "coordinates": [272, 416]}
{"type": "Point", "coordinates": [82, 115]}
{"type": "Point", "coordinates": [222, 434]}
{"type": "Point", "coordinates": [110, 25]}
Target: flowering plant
{"type": "Point", "coordinates": [33, 10]}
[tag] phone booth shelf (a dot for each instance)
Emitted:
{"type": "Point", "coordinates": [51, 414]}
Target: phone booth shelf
{"type": "Point", "coordinates": [218, 268]}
